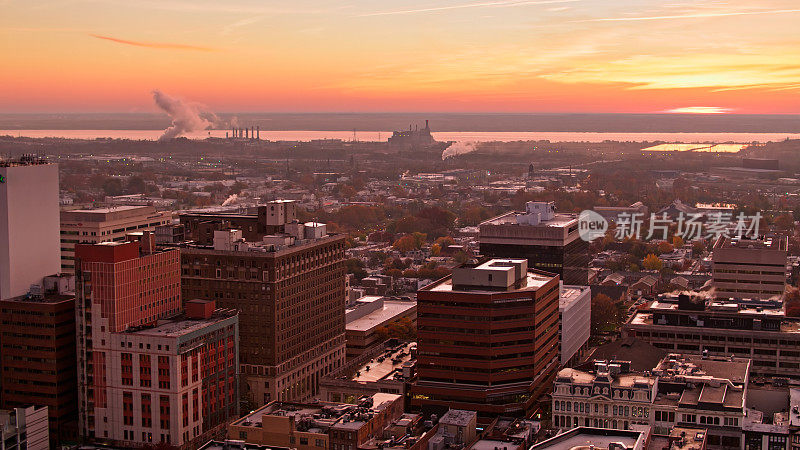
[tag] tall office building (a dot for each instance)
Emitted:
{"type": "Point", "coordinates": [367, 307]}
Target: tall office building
{"type": "Point", "coordinates": [549, 240]}
{"type": "Point", "coordinates": [289, 286]}
{"type": "Point", "coordinates": [147, 372]}
{"type": "Point", "coordinates": [750, 268]}
{"type": "Point", "coordinates": [38, 357]}
{"type": "Point", "coordinates": [488, 339]}
{"type": "Point", "coordinates": [90, 226]}
{"type": "Point", "coordinates": [29, 224]}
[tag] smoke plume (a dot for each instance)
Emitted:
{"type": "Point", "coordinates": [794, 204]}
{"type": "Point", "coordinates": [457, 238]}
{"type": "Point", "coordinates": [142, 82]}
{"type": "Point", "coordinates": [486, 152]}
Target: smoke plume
{"type": "Point", "coordinates": [186, 117]}
{"type": "Point", "coordinates": [459, 148]}
{"type": "Point", "coordinates": [230, 200]}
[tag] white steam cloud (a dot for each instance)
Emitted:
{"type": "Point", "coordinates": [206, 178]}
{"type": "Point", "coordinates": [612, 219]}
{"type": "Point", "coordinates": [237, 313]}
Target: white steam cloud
{"type": "Point", "coordinates": [186, 116]}
{"type": "Point", "coordinates": [459, 148]}
{"type": "Point", "coordinates": [230, 200]}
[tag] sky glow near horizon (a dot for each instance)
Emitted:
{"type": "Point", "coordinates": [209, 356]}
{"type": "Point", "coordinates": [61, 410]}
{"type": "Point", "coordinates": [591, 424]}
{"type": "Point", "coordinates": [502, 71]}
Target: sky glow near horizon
{"type": "Point", "coordinates": [636, 56]}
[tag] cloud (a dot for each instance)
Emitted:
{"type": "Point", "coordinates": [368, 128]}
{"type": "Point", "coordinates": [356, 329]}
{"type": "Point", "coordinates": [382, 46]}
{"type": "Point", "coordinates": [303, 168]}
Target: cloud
{"type": "Point", "coordinates": [492, 4]}
{"type": "Point", "coordinates": [691, 16]}
{"type": "Point", "coordinates": [699, 110]}
{"type": "Point", "coordinates": [160, 45]}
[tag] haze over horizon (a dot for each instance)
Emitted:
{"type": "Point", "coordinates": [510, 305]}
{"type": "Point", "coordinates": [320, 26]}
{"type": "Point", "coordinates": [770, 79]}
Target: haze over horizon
{"type": "Point", "coordinates": [577, 56]}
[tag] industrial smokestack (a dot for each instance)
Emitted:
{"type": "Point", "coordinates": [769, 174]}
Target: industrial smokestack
{"type": "Point", "coordinates": [426, 124]}
{"type": "Point", "coordinates": [246, 133]}
{"type": "Point", "coordinates": [258, 133]}
{"type": "Point", "coordinates": [252, 132]}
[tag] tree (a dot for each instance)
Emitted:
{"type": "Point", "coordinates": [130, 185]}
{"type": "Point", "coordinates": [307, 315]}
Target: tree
{"type": "Point", "coordinates": [435, 250]}
{"type": "Point", "coordinates": [677, 241]}
{"type": "Point", "coordinates": [665, 247]}
{"type": "Point", "coordinates": [651, 262]}
{"type": "Point", "coordinates": [405, 244]}
{"type": "Point", "coordinates": [136, 185]}
{"type": "Point", "coordinates": [112, 187]}
{"type": "Point", "coordinates": [698, 247]}
{"type": "Point", "coordinates": [784, 222]}
{"type": "Point", "coordinates": [605, 314]}
{"type": "Point", "coordinates": [791, 302]}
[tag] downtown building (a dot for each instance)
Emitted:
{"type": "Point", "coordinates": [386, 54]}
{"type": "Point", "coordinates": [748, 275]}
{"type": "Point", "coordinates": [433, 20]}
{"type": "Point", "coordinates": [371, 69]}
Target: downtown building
{"type": "Point", "coordinates": [37, 355]}
{"type": "Point", "coordinates": [488, 339]}
{"type": "Point", "coordinates": [549, 240]}
{"type": "Point", "coordinates": [149, 372]}
{"type": "Point", "coordinates": [91, 226]}
{"type": "Point", "coordinates": [749, 268]}
{"type": "Point", "coordinates": [29, 249]}
{"type": "Point", "coordinates": [696, 326]}
{"type": "Point", "coordinates": [290, 288]}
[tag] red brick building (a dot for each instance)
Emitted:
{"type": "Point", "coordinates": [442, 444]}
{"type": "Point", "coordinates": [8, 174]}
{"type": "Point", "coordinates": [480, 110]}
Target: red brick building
{"type": "Point", "coordinates": [147, 372]}
{"type": "Point", "coordinates": [488, 339]}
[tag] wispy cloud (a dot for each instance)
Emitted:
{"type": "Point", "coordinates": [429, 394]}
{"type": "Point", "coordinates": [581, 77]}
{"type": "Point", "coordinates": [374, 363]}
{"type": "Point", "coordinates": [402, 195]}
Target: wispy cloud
{"type": "Point", "coordinates": [160, 45]}
{"type": "Point", "coordinates": [691, 16]}
{"type": "Point", "coordinates": [492, 4]}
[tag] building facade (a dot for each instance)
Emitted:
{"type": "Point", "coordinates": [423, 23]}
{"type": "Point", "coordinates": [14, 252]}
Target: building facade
{"type": "Point", "coordinates": [550, 241]}
{"type": "Point", "coordinates": [29, 248]}
{"type": "Point", "coordinates": [149, 373]}
{"type": "Point", "coordinates": [488, 339]}
{"type": "Point", "coordinates": [575, 312]}
{"type": "Point", "coordinates": [749, 268]}
{"type": "Point", "coordinates": [91, 226]}
{"type": "Point", "coordinates": [38, 358]}
{"type": "Point", "coordinates": [290, 290]}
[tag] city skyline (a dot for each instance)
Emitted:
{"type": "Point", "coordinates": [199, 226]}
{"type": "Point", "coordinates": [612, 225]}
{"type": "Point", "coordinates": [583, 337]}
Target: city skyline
{"type": "Point", "coordinates": [457, 56]}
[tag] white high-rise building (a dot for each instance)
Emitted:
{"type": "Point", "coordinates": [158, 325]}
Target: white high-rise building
{"type": "Point", "coordinates": [29, 225]}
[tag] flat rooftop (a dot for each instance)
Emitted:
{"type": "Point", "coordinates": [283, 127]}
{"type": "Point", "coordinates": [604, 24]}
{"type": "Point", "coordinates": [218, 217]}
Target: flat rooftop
{"type": "Point", "coordinates": [584, 437]}
{"type": "Point", "coordinates": [762, 243]}
{"type": "Point", "coordinates": [571, 293]}
{"type": "Point", "coordinates": [181, 325]}
{"type": "Point", "coordinates": [534, 280]}
{"type": "Point", "coordinates": [46, 298]}
{"type": "Point", "coordinates": [386, 365]}
{"type": "Point", "coordinates": [108, 210]}
{"type": "Point", "coordinates": [560, 220]}
{"type": "Point", "coordinates": [378, 317]}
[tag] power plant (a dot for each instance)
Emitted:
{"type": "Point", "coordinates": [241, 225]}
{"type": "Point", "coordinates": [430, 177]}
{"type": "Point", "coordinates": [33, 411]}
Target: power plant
{"type": "Point", "coordinates": [253, 133]}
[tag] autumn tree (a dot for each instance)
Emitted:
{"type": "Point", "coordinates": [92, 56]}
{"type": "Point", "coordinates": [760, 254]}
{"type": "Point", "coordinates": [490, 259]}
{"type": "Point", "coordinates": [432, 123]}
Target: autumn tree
{"type": "Point", "coordinates": [665, 247]}
{"type": "Point", "coordinates": [651, 262]}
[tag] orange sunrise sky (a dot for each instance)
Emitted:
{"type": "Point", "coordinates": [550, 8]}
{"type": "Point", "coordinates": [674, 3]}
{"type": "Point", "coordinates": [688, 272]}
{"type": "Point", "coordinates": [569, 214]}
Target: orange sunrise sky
{"type": "Point", "coordinates": [740, 56]}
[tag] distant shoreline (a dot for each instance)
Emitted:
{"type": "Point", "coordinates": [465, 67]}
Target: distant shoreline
{"type": "Point", "coordinates": [443, 136]}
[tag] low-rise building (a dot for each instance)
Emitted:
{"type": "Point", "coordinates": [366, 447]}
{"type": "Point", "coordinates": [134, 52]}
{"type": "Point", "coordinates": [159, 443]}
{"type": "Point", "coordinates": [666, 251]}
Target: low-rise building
{"type": "Point", "coordinates": [597, 438]}
{"type": "Point", "coordinates": [320, 425]}
{"type": "Point", "coordinates": [388, 368]}
{"type": "Point", "coordinates": [367, 320]}
{"type": "Point", "coordinates": [691, 391]}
